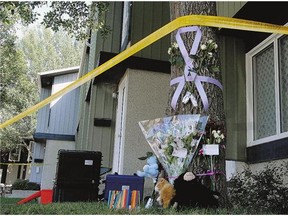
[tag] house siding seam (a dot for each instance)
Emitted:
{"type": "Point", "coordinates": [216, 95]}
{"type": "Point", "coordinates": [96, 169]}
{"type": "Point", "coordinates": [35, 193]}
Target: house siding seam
{"type": "Point", "coordinates": [50, 136]}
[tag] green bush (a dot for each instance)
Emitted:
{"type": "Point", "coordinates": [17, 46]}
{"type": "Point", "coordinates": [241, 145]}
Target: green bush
{"type": "Point", "coordinates": [264, 189]}
{"type": "Point", "coordinates": [21, 184]}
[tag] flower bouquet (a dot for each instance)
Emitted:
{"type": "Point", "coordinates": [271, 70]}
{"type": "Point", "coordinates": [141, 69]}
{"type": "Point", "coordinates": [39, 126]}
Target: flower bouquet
{"type": "Point", "coordinates": [174, 140]}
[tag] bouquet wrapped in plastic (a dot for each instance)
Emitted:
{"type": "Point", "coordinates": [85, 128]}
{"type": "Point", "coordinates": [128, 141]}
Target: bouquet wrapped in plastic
{"type": "Point", "coordinates": [174, 140]}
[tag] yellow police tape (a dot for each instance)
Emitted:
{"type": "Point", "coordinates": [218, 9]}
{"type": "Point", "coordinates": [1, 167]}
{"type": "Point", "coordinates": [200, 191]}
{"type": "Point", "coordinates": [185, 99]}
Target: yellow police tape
{"type": "Point", "coordinates": [201, 20]}
{"type": "Point", "coordinates": [24, 164]}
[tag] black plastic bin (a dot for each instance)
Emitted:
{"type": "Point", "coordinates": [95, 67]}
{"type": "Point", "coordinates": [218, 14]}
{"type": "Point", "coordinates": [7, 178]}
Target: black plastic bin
{"type": "Point", "coordinates": [77, 176]}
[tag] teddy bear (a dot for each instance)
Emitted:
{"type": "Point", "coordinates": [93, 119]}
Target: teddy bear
{"type": "Point", "coordinates": [166, 192]}
{"type": "Point", "coordinates": [150, 169]}
{"type": "Point", "coordinates": [191, 193]}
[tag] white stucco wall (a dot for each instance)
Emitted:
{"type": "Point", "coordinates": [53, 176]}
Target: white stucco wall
{"type": "Point", "coordinates": [233, 167]}
{"type": "Point", "coordinates": [278, 163]}
{"type": "Point", "coordinates": [146, 98]}
{"type": "Point", "coordinates": [51, 159]}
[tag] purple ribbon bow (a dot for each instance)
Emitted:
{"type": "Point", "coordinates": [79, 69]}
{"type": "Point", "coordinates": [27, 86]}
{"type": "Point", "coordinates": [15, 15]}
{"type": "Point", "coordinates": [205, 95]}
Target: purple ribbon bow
{"type": "Point", "coordinates": [189, 73]}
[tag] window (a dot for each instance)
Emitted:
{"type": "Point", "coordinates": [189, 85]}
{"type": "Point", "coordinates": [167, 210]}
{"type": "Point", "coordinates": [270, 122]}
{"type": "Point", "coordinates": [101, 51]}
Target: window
{"type": "Point", "coordinates": [267, 90]}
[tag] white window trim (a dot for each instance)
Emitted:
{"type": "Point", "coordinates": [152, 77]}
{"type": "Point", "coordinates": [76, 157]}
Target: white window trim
{"type": "Point", "coordinates": [249, 93]}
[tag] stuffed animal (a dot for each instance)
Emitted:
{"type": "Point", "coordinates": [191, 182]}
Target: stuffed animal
{"type": "Point", "coordinates": [150, 169]}
{"type": "Point", "coordinates": [166, 192]}
{"type": "Point", "coordinates": [191, 193]}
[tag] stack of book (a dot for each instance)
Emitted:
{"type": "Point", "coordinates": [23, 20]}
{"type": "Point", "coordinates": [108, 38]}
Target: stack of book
{"type": "Point", "coordinates": [124, 199]}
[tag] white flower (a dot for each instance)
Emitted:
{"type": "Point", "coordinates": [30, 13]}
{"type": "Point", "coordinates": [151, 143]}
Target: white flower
{"type": "Point", "coordinates": [222, 136]}
{"type": "Point", "coordinates": [203, 47]}
{"type": "Point", "coordinates": [214, 131]}
{"type": "Point", "coordinates": [210, 54]}
{"type": "Point", "coordinates": [215, 46]}
{"type": "Point", "coordinates": [216, 135]}
{"type": "Point", "coordinates": [218, 131]}
{"type": "Point", "coordinates": [169, 50]}
{"type": "Point", "coordinates": [209, 41]}
{"type": "Point", "coordinates": [175, 45]}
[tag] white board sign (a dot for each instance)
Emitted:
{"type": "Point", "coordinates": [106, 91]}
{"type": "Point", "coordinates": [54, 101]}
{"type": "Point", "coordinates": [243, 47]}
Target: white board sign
{"type": "Point", "coordinates": [211, 149]}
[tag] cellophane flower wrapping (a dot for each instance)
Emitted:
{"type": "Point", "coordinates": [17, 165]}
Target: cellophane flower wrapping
{"type": "Point", "coordinates": [174, 140]}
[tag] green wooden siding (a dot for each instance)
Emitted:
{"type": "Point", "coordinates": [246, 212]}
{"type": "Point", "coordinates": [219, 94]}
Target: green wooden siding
{"type": "Point", "coordinates": [148, 17]}
{"type": "Point", "coordinates": [229, 8]}
{"type": "Point", "coordinates": [234, 81]}
{"type": "Point", "coordinates": [101, 103]}
{"type": "Point", "coordinates": [234, 78]}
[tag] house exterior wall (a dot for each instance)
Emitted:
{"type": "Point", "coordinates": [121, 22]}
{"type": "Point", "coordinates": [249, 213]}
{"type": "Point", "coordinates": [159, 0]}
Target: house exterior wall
{"type": "Point", "coordinates": [56, 118]}
{"type": "Point", "coordinates": [272, 150]}
{"type": "Point", "coordinates": [83, 104]}
{"type": "Point", "coordinates": [232, 57]}
{"type": "Point", "coordinates": [50, 160]}
{"type": "Point", "coordinates": [277, 163]}
{"type": "Point", "coordinates": [56, 124]}
{"type": "Point", "coordinates": [112, 42]}
{"type": "Point", "coordinates": [234, 82]}
{"type": "Point", "coordinates": [146, 98]}
{"type": "Point", "coordinates": [148, 17]}
{"type": "Point", "coordinates": [98, 138]}
{"type": "Point", "coordinates": [101, 104]}
{"type": "Point", "coordinates": [36, 168]}
{"type": "Point", "coordinates": [144, 20]}
{"type": "Point", "coordinates": [229, 8]}
{"type": "Point", "coordinates": [43, 114]}
{"type": "Point", "coordinates": [62, 119]}
{"type": "Point", "coordinates": [89, 137]}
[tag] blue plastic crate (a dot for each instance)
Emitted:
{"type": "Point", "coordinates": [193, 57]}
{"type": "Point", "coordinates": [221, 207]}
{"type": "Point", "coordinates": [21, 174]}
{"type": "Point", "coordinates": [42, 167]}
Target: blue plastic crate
{"type": "Point", "coordinates": [115, 182]}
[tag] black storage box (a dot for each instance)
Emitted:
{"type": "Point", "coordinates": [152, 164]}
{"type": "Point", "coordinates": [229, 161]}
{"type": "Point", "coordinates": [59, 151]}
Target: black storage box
{"type": "Point", "coordinates": [77, 176]}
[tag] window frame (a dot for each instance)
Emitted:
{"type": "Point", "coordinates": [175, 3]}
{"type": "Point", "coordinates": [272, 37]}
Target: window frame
{"type": "Point", "coordinates": [272, 39]}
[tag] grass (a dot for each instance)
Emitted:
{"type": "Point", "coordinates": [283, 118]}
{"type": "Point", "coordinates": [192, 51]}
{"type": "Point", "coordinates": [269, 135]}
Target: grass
{"type": "Point", "coordinates": [9, 207]}
{"type": "Point", "coordinates": [4, 201]}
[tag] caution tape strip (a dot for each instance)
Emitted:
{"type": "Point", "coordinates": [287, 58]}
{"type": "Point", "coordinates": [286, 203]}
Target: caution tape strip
{"type": "Point", "coordinates": [201, 20]}
{"type": "Point", "coordinates": [25, 164]}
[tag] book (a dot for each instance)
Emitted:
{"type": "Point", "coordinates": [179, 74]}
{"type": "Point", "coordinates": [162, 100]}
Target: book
{"type": "Point", "coordinates": [133, 201]}
{"type": "Point", "coordinates": [112, 198]}
{"type": "Point", "coordinates": [109, 197]}
{"type": "Point", "coordinates": [135, 197]}
{"type": "Point", "coordinates": [117, 196]}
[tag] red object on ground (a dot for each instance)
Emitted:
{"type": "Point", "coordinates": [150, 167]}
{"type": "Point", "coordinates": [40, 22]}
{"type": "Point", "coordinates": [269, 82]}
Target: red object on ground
{"type": "Point", "coordinates": [29, 198]}
{"type": "Point", "coordinates": [46, 197]}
